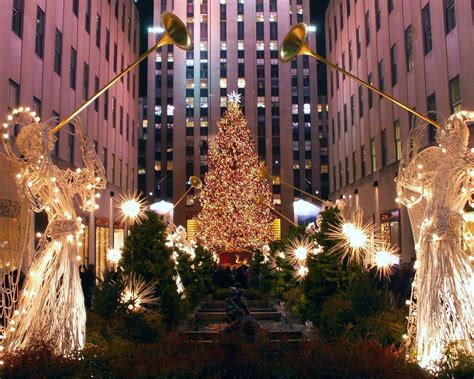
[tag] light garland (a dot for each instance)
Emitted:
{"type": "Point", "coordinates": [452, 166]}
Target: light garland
{"type": "Point", "coordinates": [51, 304]}
{"type": "Point", "coordinates": [231, 218]}
{"type": "Point", "coordinates": [432, 183]}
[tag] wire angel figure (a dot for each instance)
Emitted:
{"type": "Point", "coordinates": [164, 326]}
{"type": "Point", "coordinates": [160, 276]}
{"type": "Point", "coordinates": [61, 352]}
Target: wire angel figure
{"type": "Point", "coordinates": [51, 304]}
{"type": "Point", "coordinates": [435, 184]}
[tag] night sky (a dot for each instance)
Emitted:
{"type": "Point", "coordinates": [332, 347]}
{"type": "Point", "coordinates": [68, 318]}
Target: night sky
{"type": "Point", "coordinates": [318, 8]}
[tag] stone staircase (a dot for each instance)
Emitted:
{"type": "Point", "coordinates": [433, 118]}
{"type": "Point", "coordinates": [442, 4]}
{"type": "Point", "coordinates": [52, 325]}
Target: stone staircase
{"type": "Point", "coordinates": [210, 320]}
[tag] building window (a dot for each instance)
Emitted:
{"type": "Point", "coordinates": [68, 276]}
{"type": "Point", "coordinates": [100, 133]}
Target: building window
{"type": "Point", "coordinates": [121, 120]}
{"type": "Point", "coordinates": [354, 166]}
{"type": "Point", "coordinates": [17, 17]}
{"type": "Point", "coordinates": [96, 89]}
{"type": "Point", "coordinates": [113, 169]}
{"type": "Point", "coordinates": [335, 29]}
{"type": "Point", "coordinates": [361, 101]}
{"type": "Point", "coordinates": [393, 64]}
{"type": "Point", "coordinates": [58, 50]}
{"type": "Point", "coordinates": [381, 77]}
{"type": "Point", "coordinates": [373, 157]}
{"type": "Point", "coordinates": [106, 105]}
{"type": "Point", "coordinates": [390, 5]}
{"type": "Point", "coordinates": [370, 93]}
{"type": "Point", "coordinates": [426, 24]}
{"type": "Point", "coordinates": [398, 140]}
{"type": "Point", "coordinates": [367, 29]}
{"type": "Point", "coordinates": [114, 112]}
{"type": "Point", "coordinates": [378, 15]}
{"type": "Point", "coordinates": [384, 147]}
{"type": "Point", "coordinates": [116, 9]}
{"type": "Point", "coordinates": [123, 17]}
{"type": "Point", "coordinates": [449, 15]}
{"type": "Point", "coordinates": [348, 170]}
{"type": "Point", "coordinates": [345, 117]}
{"type": "Point", "coordinates": [39, 41]}
{"type": "Point", "coordinates": [431, 113]}
{"type": "Point", "coordinates": [348, 7]}
{"type": "Point", "coordinates": [98, 23]}
{"type": "Point", "coordinates": [350, 55]}
{"type": "Point", "coordinates": [75, 7]}
{"type": "Point", "coordinates": [409, 49]}
{"type": "Point", "coordinates": [115, 57]}
{"type": "Point", "coordinates": [37, 106]}
{"type": "Point", "coordinates": [362, 160]}
{"type": "Point", "coordinates": [107, 44]}
{"type": "Point", "coordinates": [358, 45]}
{"type": "Point", "coordinates": [352, 109]}
{"type": "Point", "coordinates": [85, 82]}
{"type": "Point", "coordinates": [13, 95]}
{"type": "Point", "coordinates": [73, 69]}
{"type": "Point", "coordinates": [88, 17]}
{"type": "Point", "coordinates": [455, 94]}
{"type": "Point", "coordinates": [70, 143]}
{"type": "Point", "coordinates": [341, 15]}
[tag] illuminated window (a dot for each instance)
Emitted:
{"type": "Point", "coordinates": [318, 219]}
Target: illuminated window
{"type": "Point", "coordinates": [276, 199]}
{"type": "Point", "coordinates": [273, 17]}
{"type": "Point", "coordinates": [241, 83]}
{"type": "Point", "coordinates": [190, 102]}
{"type": "Point", "coordinates": [306, 108]}
{"type": "Point", "coordinates": [203, 83]}
{"type": "Point", "coordinates": [157, 165]}
{"type": "Point", "coordinates": [170, 110]}
{"type": "Point", "coordinates": [240, 45]}
{"type": "Point", "coordinates": [223, 83]}
{"type": "Point", "coordinates": [170, 57]}
{"type": "Point", "coordinates": [260, 46]}
{"type": "Point", "coordinates": [276, 229]}
{"type": "Point", "coordinates": [223, 45]}
{"type": "Point", "coordinates": [192, 225]}
{"type": "Point", "coordinates": [320, 108]}
{"type": "Point", "coordinates": [294, 108]}
{"type": "Point", "coordinates": [223, 101]}
{"type": "Point", "coordinates": [261, 102]}
{"type": "Point", "coordinates": [273, 45]}
{"type": "Point", "coordinates": [190, 122]}
{"type": "Point", "coordinates": [145, 123]}
{"type": "Point", "coordinates": [189, 83]}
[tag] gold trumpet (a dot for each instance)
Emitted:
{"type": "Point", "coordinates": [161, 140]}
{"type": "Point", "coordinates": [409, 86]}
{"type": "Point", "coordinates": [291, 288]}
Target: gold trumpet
{"type": "Point", "coordinates": [195, 183]}
{"type": "Point", "coordinates": [175, 33]}
{"type": "Point", "coordinates": [295, 44]}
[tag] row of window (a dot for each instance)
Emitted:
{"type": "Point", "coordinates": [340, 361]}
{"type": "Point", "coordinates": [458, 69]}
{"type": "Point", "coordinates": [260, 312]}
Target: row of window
{"type": "Point", "coordinates": [454, 88]}
{"type": "Point", "coordinates": [449, 20]}
{"type": "Point", "coordinates": [17, 28]}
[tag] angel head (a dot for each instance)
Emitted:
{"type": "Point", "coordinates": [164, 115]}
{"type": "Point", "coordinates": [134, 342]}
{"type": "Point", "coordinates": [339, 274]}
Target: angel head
{"type": "Point", "coordinates": [34, 141]}
{"type": "Point", "coordinates": [454, 135]}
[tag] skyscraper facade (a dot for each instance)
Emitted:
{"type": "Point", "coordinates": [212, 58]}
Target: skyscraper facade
{"type": "Point", "coordinates": [420, 52]}
{"type": "Point", "coordinates": [235, 48]}
{"type": "Point", "coordinates": [59, 53]}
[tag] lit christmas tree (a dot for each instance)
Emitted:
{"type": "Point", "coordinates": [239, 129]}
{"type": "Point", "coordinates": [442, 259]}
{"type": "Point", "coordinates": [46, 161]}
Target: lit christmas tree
{"type": "Point", "coordinates": [235, 199]}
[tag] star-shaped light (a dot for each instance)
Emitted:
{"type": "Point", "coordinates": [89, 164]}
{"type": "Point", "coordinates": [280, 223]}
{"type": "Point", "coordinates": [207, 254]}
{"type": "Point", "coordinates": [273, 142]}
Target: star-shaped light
{"type": "Point", "coordinates": [234, 97]}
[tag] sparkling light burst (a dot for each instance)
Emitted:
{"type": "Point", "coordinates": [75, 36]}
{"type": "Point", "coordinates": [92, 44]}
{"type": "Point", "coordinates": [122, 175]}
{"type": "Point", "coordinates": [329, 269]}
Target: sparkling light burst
{"type": "Point", "coordinates": [354, 239]}
{"type": "Point", "coordinates": [114, 255]}
{"type": "Point", "coordinates": [138, 293]}
{"type": "Point", "coordinates": [132, 207]}
{"type": "Point", "coordinates": [298, 250]}
{"type": "Point", "coordinates": [384, 260]}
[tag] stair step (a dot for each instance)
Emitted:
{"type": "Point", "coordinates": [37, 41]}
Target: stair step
{"type": "Point", "coordinates": [198, 335]}
{"type": "Point", "coordinates": [250, 303]}
{"type": "Point", "coordinates": [216, 316]}
{"type": "Point", "coordinates": [252, 310]}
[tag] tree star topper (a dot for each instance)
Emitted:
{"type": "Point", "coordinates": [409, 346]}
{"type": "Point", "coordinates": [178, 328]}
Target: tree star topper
{"type": "Point", "coordinates": [234, 97]}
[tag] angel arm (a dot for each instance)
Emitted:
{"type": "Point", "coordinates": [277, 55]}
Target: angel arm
{"type": "Point", "coordinates": [90, 178]}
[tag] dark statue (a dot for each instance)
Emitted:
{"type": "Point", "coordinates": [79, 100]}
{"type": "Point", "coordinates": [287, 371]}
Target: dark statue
{"type": "Point", "coordinates": [241, 321]}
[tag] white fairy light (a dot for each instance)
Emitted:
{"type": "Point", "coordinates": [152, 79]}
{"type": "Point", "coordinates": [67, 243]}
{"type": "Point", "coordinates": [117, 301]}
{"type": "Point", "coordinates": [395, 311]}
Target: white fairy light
{"type": "Point", "coordinates": [442, 301]}
{"type": "Point", "coordinates": [52, 295]}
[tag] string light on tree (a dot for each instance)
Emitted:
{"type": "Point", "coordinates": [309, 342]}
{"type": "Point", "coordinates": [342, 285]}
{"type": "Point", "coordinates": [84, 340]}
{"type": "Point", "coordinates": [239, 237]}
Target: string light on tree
{"type": "Point", "coordinates": [231, 218]}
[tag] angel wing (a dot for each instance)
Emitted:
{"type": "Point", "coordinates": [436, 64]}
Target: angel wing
{"type": "Point", "coordinates": [417, 170]}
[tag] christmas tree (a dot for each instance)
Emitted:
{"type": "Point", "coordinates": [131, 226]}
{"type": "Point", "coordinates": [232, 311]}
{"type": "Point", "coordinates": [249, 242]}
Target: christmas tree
{"type": "Point", "coordinates": [235, 199]}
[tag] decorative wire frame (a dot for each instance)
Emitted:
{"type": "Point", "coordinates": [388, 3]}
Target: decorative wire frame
{"type": "Point", "coordinates": [435, 184]}
{"type": "Point", "coordinates": [51, 304]}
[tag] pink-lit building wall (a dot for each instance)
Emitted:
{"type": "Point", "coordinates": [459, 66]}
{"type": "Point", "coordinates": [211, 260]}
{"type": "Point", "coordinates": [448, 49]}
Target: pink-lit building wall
{"type": "Point", "coordinates": [426, 49]}
{"type": "Point", "coordinates": [37, 70]}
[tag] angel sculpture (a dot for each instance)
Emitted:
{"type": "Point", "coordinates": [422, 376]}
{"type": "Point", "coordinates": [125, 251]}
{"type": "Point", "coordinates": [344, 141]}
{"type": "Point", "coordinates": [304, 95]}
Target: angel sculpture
{"type": "Point", "coordinates": [435, 184]}
{"type": "Point", "coordinates": [51, 304]}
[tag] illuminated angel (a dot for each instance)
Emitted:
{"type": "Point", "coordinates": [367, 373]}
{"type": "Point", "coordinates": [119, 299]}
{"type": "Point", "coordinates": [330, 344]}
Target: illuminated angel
{"type": "Point", "coordinates": [435, 184]}
{"type": "Point", "coordinates": [51, 304]}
